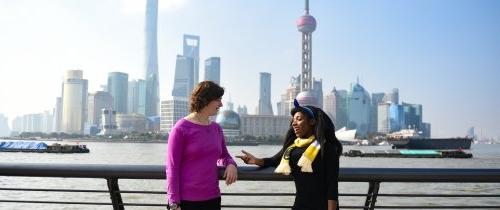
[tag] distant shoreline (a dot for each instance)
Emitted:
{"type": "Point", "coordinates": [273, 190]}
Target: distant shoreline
{"type": "Point", "coordinates": [92, 140]}
{"type": "Point", "coordinates": [127, 141]}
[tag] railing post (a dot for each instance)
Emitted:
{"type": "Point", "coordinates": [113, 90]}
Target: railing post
{"type": "Point", "coordinates": [114, 193]}
{"type": "Point", "coordinates": [371, 198]}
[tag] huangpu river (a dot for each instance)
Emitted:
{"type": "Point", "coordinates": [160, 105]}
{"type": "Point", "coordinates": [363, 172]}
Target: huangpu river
{"type": "Point", "coordinates": [485, 156]}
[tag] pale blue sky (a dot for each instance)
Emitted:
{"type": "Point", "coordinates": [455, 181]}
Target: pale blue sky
{"type": "Point", "coordinates": [442, 54]}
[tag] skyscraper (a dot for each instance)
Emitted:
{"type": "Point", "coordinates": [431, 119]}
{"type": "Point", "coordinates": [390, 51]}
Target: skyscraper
{"type": "Point", "coordinates": [413, 116]}
{"type": "Point", "coordinates": [98, 101]}
{"type": "Point", "coordinates": [264, 107]}
{"type": "Point", "coordinates": [341, 108]}
{"type": "Point", "coordinates": [393, 96]}
{"type": "Point", "coordinates": [383, 118]}
{"type": "Point", "coordinates": [151, 53]}
{"type": "Point", "coordinates": [4, 126]}
{"type": "Point", "coordinates": [183, 78]}
{"type": "Point", "coordinates": [118, 88]}
{"type": "Point", "coordinates": [329, 106]}
{"type": "Point", "coordinates": [186, 67]}
{"type": "Point", "coordinates": [286, 104]}
{"type": "Point", "coordinates": [359, 110]}
{"type": "Point", "coordinates": [47, 121]}
{"type": "Point", "coordinates": [171, 111]}
{"type": "Point", "coordinates": [376, 99]}
{"type": "Point", "coordinates": [397, 117]}
{"type": "Point", "coordinates": [212, 69]}
{"type": "Point", "coordinates": [317, 90]}
{"type": "Point", "coordinates": [74, 102]}
{"type": "Point", "coordinates": [58, 115]}
{"type": "Point", "coordinates": [191, 47]}
{"type": "Point", "coordinates": [306, 24]}
{"type": "Point", "coordinates": [137, 96]}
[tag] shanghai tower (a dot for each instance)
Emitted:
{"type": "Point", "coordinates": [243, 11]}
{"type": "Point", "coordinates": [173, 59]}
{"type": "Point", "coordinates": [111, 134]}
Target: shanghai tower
{"type": "Point", "coordinates": [151, 52]}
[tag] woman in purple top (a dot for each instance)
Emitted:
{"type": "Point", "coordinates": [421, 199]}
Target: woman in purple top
{"type": "Point", "coordinates": [196, 147]}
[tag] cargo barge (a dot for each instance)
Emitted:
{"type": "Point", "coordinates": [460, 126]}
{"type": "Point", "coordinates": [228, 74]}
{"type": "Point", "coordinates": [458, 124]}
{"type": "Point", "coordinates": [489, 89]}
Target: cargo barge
{"type": "Point", "coordinates": [394, 153]}
{"type": "Point", "coordinates": [41, 147]}
{"type": "Point", "coordinates": [410, 139]}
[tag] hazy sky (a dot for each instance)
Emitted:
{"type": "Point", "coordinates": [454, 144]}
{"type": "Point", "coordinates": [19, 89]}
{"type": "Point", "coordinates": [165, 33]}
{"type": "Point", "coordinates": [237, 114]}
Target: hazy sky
{"type": "Point", "coordinates": [442, 54]}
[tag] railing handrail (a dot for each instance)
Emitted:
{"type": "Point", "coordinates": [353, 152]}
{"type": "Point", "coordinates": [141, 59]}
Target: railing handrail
{"type": "Point", "coordinates": [373, 176]}
{"type": "Point", "coordinates": [346, 174]}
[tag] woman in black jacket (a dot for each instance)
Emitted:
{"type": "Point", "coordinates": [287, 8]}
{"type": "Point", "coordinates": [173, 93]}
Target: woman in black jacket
{"type": "Point", "coordinates": [311, 155]}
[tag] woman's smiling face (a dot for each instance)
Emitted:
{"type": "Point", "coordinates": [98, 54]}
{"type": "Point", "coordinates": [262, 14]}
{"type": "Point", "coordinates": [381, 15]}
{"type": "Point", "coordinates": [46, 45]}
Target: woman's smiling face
{"type": "Point", "coordinates": [302, 126]}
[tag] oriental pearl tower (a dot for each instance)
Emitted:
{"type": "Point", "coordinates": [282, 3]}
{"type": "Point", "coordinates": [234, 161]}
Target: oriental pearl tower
{"type": "Point", "coordinates": [306, 24]}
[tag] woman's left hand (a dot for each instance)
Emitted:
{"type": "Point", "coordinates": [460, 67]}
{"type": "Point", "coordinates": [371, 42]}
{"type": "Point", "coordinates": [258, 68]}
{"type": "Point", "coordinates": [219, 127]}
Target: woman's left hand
{"type": "Point", "coordinates": [231, 174]}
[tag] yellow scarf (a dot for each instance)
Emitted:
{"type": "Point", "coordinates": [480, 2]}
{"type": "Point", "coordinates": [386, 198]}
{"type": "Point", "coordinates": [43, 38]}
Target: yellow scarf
{"type": "Point", "coordinates": [305, 162]}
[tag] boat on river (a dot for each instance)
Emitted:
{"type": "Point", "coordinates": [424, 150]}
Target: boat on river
{"type": "Point", "coordinates": [41, 147]}
{"type": "Point", "coordinates": [410, 139]}
{"type": "Point", "coordinates": [407, 153]}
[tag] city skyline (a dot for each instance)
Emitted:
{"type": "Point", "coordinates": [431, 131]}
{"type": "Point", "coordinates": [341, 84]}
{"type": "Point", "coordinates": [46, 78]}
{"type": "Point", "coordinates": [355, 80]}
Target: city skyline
{"type": "Point", "coordinates": [443, 55]}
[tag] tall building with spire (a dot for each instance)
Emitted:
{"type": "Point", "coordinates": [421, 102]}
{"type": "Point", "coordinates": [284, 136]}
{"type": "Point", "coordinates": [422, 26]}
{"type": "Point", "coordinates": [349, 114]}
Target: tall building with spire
{"type": "Point", "coordinates": [151, 53]}
{"type": "Point", "coordinates": [306, 24]}
{"type": "Point", "coordinates": [304, 87]}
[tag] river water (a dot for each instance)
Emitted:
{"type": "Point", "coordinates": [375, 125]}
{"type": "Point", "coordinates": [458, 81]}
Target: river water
{"type": "Point", "coordinates": [485, 156]}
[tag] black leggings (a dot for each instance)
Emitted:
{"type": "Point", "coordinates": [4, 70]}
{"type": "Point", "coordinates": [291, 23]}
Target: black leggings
{"type": "Point", "coordinates": [212, 204]}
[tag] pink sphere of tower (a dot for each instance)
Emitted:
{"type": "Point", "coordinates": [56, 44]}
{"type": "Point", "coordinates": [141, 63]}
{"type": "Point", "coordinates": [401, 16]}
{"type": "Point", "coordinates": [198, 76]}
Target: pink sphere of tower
{"type": "Point", "coordinates": [307, 98]}
{"type": "Point", "coordinates": [306, 24]}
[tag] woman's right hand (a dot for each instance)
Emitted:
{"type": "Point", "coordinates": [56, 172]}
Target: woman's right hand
{"type": "Point", "coordinates": [250, 159]}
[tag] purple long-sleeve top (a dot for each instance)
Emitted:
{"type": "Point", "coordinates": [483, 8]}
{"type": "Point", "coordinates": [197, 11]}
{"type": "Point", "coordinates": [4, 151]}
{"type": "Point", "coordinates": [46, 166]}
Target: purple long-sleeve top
{"type": "Point", "coordinates": [194, 153]}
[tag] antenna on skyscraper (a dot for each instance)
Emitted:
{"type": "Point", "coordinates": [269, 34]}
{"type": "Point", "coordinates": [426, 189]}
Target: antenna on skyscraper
{"type": "Point", "coordinates": [307, 7]}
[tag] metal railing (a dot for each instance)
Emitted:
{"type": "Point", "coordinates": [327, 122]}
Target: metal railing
{"type": "Point", "coordinates": [373, 176]}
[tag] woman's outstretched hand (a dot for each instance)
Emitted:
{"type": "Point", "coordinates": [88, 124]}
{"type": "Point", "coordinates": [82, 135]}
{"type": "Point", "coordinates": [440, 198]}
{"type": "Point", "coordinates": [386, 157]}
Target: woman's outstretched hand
{"type": "Point", "coordinates": [250, 159]}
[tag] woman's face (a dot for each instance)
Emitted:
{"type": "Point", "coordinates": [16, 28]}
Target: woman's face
{"type": "Point", "coordinates": [302, 126]}
{"type": "Point", "coordinates": [213, 107]}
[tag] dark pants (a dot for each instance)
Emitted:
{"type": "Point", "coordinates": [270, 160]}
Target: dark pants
{"type": "Point", "coordinates": [212, 204]}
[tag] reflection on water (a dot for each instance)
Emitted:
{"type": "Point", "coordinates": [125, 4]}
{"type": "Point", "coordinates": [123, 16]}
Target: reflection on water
{"type": "Point", "coordinates": [485, 156]}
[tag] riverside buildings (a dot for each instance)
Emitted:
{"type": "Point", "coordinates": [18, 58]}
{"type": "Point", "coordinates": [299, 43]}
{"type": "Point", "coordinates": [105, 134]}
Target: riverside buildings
{"type": "Point", "coordinates": [35, 122]}
{"type": "Point", "coordinates": [264, 125]}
